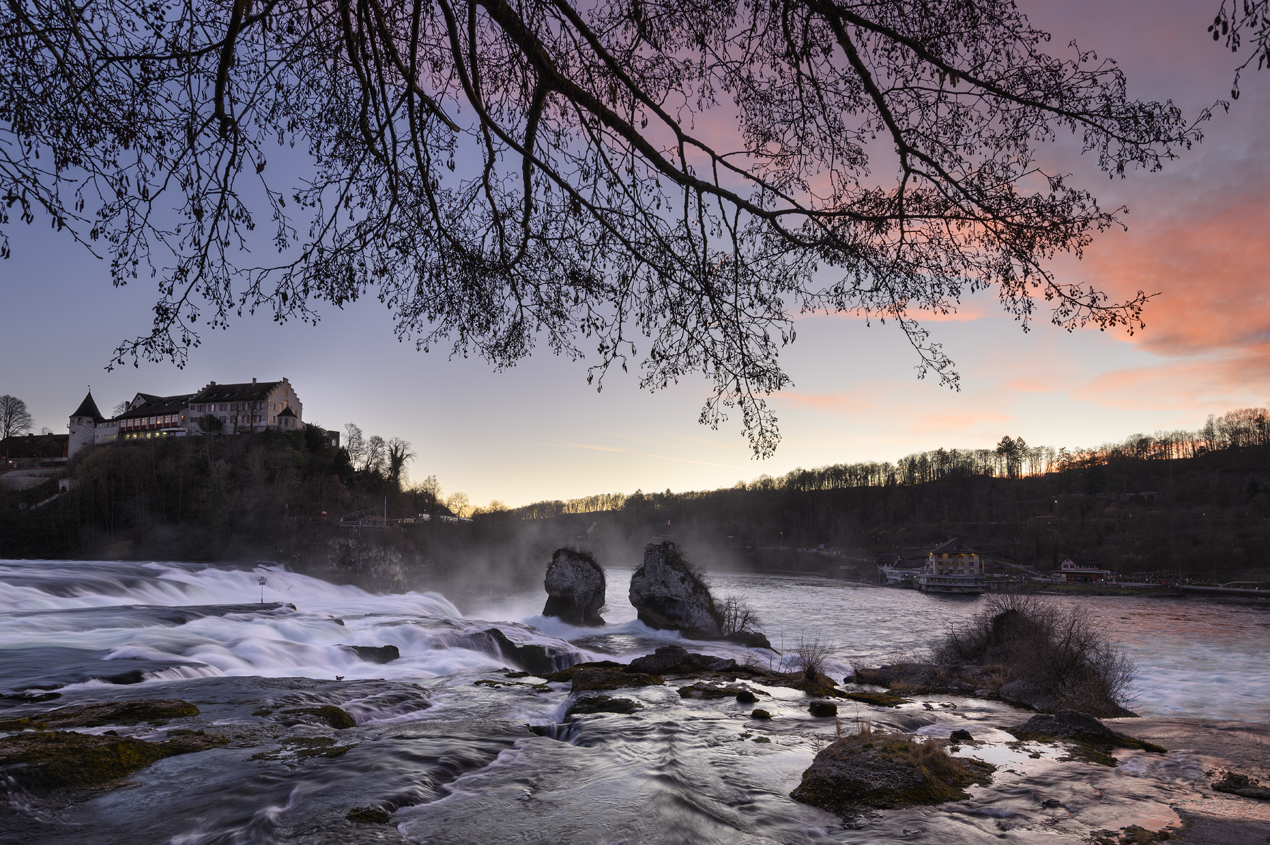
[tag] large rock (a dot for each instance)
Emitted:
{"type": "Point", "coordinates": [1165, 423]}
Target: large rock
{"type": "Point", "coordinates": [669, 594]}
{"type": "Point", "coordinates": [537, 658]}
{"type": "Point", "coordinates": [677, 660]}
{"type": "Point", "coordinates": [376, 654]}
{"type": "Point", "coordinates": [1093, 740]}
{"type": "Point", "coordinates": [877, 771]}
{"type": "Point", "coordinates": [575, 588]}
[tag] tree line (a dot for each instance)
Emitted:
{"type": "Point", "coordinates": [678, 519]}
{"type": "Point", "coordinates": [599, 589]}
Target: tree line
{"type": "Point", "coordinates": [1011, 458]}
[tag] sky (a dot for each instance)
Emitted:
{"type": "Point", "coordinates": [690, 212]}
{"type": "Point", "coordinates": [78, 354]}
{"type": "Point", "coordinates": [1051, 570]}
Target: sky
{"type": "Point", "coordinates": [1199, 236]}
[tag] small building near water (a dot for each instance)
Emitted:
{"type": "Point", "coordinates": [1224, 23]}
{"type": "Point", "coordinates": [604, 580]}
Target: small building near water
{"type": "Point", "coordinates": [952, 567]}
{"type": "Point", "coordinates": [1081, 573]}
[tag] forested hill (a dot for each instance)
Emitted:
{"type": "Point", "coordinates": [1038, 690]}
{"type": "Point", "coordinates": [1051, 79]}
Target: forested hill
{"type": "Point", "coordinates": [1189, 504]}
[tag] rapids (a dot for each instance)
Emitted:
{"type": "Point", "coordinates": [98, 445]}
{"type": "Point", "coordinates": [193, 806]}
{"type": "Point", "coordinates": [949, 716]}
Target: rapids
{"type": "Point", "coordinates": [442, 735]}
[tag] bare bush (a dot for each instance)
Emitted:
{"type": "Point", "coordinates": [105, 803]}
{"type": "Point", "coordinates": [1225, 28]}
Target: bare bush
{"type": "Point", "coordinates": [738, 616]}
{"type": "Point", "coordinates": [809, 657]}
{"type": "Point", "coordinates": [1056, 652]}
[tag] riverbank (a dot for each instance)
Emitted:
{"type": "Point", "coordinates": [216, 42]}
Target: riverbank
{"type": "Point", "coordinates": [1075, 589]}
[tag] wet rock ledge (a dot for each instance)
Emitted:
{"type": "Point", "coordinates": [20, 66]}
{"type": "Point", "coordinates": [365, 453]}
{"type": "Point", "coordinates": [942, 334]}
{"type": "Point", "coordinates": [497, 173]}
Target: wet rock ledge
{"type": "Point", "coordinates": [40, 757]}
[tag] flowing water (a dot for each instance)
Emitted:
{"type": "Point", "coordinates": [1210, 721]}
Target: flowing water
{"type": "Point", "coordinates": [443, 737]}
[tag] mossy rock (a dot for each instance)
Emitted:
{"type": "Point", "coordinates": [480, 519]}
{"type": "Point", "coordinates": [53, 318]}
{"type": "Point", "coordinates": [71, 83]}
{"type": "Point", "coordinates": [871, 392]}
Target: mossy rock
{"type": "Point", "coordinates": [822, 709]}
{"type": "Point", "coordinates": [705, 690]}
{"type": "Point", "coordinates": [564, 676]}
{"type": "Point", "coordinates": [610, 679]}
{"type": "Point", "coordinates": [761, 715]}
{"type": "Point", "coordinates": [601, 704]}
{"type": "Point", "coordinates": [369, 815]}
{"type": "Point", "coordinates": [1235, 783]}
{"type": "Point", "coordinates": [486, 682]}
{"type": "Point", "coordinates": [821, 687]}
{"type": "Point", "coordinates": [879, 771]}
{"type": "Point", "coordinates": [335, 717]}
{"type": "Point", "coordinates": [151, 710]}
{"type": "Point", "coordinates": [61, 759]}
{"type": "Point", "coordinates": [877, 699]}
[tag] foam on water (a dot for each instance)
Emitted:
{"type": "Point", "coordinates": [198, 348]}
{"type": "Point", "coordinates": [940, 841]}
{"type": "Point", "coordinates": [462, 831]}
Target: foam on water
{"type": "Point", "coordinates": [1196, 657]}
{"type": "Point", "coordinates": [44, 606]}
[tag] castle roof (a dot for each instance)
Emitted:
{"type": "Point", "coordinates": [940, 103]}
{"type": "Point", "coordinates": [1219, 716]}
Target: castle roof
{"type": "Point", "coordinates": [156, 406]}
{"type": "Point", "coordinates": [286, 412]}
{"type": "Point", "coordinates": [88, 408]}
{"type": "Point", "coordinates": [248, 392]}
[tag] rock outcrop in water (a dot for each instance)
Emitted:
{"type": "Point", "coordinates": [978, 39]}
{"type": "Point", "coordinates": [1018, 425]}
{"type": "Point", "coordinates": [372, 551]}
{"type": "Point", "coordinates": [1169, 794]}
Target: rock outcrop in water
{"type": "Point", "coordinates": [669, 594]}
{"type": "Point", "coordinates": [575, 588]}
{"type": "Point", "coordinates": [537, 658]}
{"type": "Point", "coordinates": [677, 660]}
{"type": "Point", "coordinates": [375, 654]}
{"type": "Point", "coordinates": [993, 682]}
{"type": "Point", "coordinates": [882, 771]}
{"type": "Point", "coordinates": [1094, 741]}
{"type": "Point", "coordinates": [61, 759]}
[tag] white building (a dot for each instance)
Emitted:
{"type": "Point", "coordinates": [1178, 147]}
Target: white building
{"type": "Point", "coordinates": [216, 409]}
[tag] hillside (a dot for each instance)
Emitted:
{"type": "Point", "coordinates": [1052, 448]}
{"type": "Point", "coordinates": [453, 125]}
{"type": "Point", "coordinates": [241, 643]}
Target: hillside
{"type": "Point", "coordinates": [279, 497]}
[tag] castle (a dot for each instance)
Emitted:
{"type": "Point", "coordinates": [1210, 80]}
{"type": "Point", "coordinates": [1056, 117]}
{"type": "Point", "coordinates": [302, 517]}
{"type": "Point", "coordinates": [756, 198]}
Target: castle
{"type": "Point", "coordinates": [216, 409]}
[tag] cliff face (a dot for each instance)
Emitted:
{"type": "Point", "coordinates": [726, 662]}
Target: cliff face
{"type": "Point", "coordinates": [371, 565]}
{"type": "Point", "coordinates": [376, 560]}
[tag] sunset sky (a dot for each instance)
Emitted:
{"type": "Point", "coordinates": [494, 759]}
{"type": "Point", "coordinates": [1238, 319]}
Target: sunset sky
{"type": "Point", "coordinates": [1199, 234]}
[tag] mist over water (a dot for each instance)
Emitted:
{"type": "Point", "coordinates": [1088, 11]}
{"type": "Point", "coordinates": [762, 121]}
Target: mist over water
{"type": "Point", "coordinates": [1197, 658]}
{"type": "Point", "coordinates": [442, 736]}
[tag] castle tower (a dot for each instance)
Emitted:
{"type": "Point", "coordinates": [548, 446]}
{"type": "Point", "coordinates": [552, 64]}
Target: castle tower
{"type": "Point", "coordinates": [83, 425]}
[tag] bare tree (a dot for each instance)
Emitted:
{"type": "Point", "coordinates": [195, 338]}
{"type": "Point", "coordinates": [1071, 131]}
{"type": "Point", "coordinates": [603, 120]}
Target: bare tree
{"type": "Point", "coordinates": [666, 183]}
{"type": "Point", "coordinates": [457, 503]}
{"type": "Point", "coordinates": [15, 419]}
{"type": "Point", "coordinates": [398, 455]}
{"type": "Point", "coordinates": [375, 455]}
{"type": "Point", "coordinates": [355, 445]}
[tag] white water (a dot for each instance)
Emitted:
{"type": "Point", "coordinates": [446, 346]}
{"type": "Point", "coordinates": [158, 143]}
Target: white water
{"type": "Point", "coordinates": [442, 736]}
{"type": "Point", "coordinates": [1197, 658]}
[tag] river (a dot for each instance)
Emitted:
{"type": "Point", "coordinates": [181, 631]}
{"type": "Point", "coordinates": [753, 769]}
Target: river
{"type": "Point", "coordinates": [454, 759]}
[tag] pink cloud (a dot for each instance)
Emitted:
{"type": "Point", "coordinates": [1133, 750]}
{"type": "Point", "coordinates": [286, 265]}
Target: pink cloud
{"type": "Point", "coordinates": [1208, 384]}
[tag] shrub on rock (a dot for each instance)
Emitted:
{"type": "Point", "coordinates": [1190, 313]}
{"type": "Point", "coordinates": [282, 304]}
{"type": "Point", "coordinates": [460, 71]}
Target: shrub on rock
{"type": "Point", "coordinates": [1044, 656]}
